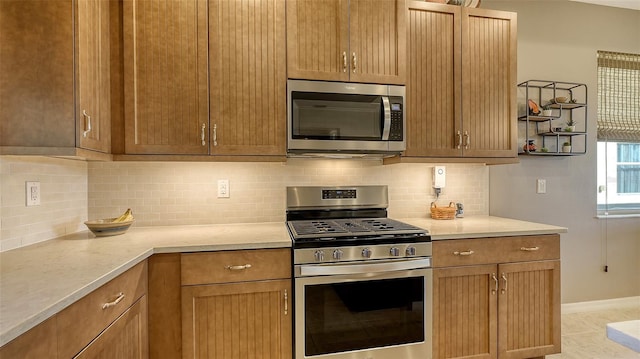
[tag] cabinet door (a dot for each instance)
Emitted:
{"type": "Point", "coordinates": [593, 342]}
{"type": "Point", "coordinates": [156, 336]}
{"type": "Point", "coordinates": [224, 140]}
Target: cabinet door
{"type": "Point", "coordinates": [124, 338]}
{"type": "Point", "coordinates": [464, 312]}
{"type": "Point", "coordinates": [239, 320]}
{"type": "Point", "coordinates": [248, 77]}
{"type": "Point", "coordinates": [166, 77]}
{"type": "Point", "coordinates": [433, 93]}
{"type": "Point", "coordinates": [94, 93]}
{"type": "Point", "coordinates": [377, 41]}
{"type": "Point", "coordinates": [529, 309]}
{"type": "Point", "coordinates": [318, 39]}
{"type": "Point", "coordinates": [489, 83]}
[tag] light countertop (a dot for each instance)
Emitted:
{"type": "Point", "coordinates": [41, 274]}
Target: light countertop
{"type": "Point", "coordinates": [39, 281]}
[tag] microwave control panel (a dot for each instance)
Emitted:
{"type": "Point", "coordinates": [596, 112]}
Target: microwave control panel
{"type": "Point", "coordinates": [396, 131]}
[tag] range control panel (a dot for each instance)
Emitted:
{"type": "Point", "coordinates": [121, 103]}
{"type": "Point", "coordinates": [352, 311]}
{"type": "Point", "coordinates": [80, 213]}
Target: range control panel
{"type": "Point", "coordinates": [338, 193]}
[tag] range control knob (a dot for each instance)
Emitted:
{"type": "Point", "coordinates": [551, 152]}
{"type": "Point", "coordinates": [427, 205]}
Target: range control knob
{"type": "Point", "coordinates": [319, 255]}
{"type": "Point", "coordinates": [337, 254]}
{"type": "Point", "coordinates": [411, 251]}
{"type": "Point", "coordinates": [366, 252]}
{"type": "Point", "coordinates": [394, 251]}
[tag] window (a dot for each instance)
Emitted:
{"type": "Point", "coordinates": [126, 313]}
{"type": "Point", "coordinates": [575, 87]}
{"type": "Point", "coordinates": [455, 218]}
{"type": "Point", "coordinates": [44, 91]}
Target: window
{"type": "Point", "coordinates": [618, 133]}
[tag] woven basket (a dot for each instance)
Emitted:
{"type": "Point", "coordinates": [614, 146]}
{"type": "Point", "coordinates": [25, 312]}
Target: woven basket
{"type": "Point", "coordinates": [443, 212]}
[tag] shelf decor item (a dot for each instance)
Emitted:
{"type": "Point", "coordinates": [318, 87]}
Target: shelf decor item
{"type": "Point", "coordinates": [530, 146]}
{"type": "Point", "coordinates": [546, 109]}
{"type": "Point", "coordinates": [571, 125]}
{"type": "Point", "coordinates": [566, 147]}
{"type": "Point", "coordinates": [533, 108]}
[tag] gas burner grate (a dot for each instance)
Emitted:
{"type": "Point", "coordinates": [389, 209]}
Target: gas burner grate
{"type": "Point", "coordinates": [348, 227]}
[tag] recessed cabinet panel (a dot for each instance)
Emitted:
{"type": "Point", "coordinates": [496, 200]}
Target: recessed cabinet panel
{"type": "Point", "coordinates": [248, 77]}
{"type": "Point", "coordinates": [433, 99]}
{"type": "Point", "coordinates": [166, 77]}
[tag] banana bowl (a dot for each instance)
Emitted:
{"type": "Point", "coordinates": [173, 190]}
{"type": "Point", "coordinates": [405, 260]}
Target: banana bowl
{"type": "Point", "coordinates": [107, 227]}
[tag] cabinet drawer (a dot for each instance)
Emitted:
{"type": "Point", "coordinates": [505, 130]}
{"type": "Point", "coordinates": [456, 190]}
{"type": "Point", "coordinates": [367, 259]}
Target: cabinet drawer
{"type": "Point", "coordinates": [81, 322]}
{"type": "Point", "coordinates": [235, 266]}
{"type": "Point", "coordinates": [460, 252]}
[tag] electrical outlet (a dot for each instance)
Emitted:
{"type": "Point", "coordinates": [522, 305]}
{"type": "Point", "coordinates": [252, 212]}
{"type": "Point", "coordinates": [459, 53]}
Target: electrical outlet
{"type": "Point", "coordinates": [223, 188]}
{"type": "Point", "coordinates": [541, 185]}
{"type": "Point", "coordinates": [32, 193]}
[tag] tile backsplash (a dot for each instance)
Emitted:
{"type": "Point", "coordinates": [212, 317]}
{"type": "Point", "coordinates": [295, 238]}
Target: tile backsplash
{"type": "Point", "coordinates": [174, 193]}
{"type": "Point", "coordinates": [63, 205]}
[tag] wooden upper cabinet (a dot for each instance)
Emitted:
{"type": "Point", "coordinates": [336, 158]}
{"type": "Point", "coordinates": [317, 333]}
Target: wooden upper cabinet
{"type": "Point", "coordinates": [461, 83]}
{"type": "Point", "coordinates": [347, 40]}
{"type": "Point", "coordinates": [489, 111]}
{"type": "Point", "coordinates": [248, 77]}
{"type": "Point", "coordinates": [433, 94]}
{"type": "Point", "coordinates": [166, 77]}
{"type": "Point", "coordinates": [55, 59]}
{"type": "Point", "coordinates": [94, 93]}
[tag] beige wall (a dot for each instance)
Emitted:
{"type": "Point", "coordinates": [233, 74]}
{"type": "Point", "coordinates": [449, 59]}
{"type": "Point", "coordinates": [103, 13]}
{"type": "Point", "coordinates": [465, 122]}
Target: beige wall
{"type": "Point", "coordinates": [558, 40]}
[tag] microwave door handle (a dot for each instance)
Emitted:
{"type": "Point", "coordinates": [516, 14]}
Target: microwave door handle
{"type": "Point", "coordinates": [387, 118]}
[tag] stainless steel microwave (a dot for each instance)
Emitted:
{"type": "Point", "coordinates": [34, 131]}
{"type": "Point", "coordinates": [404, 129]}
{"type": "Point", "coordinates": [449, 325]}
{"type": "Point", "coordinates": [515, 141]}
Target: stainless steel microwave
{"type": "Point", "coordinates": [338, 118]}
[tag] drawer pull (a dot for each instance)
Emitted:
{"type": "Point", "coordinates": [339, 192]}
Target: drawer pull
{"type": "Point", "coordinates": [529, 249]}
{"type": "Point", "coordinates": [464, 253]}
{"type": "Point", "coordinates": [115, 302]}
{"type": "Point", "coordinates": [246, 266]}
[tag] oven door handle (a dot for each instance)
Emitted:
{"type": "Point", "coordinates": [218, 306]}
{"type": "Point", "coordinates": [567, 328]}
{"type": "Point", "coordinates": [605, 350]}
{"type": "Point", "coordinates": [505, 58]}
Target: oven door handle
{"type": "Point", "coordinates": [364, 269]}
{"type": "Point", "coordinates": [386, 106]}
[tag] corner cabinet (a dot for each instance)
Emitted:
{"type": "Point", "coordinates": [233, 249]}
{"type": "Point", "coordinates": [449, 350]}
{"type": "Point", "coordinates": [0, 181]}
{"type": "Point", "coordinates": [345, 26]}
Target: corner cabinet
{"type": "Point", "coordinates": [553, 115]}
{"type": "Point", "coordinates": [461, 83]}
{"type": "Point", "coordinates": [496, 297]}
{"type": "Point", "coordinates": [340, 40]}
{"type": "Point", "coordinates": [205, 78]}
{"type": "Point", "coordinates": [237, 304]}
{"type": "Point", "coordinates": [55, 76]}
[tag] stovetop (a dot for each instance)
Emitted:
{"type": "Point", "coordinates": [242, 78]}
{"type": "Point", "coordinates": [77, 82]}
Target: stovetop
{"type": "Point", "coordinates": [349, 227]}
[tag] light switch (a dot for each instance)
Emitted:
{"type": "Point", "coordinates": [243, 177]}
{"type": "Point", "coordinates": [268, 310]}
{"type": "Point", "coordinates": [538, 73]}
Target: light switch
{"type": "Point", "coordinates": [541, 185]}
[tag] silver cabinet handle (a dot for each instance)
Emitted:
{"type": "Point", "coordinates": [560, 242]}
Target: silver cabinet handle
{"type": "Point", "coordinates": [87, 123]}
{"type": "Point", "coordinates": [504, 277]}
{"type": "Point", "coordinates": [355, 62]}
{"type": "Point", "coordinates": [495, 279]}
{"type": "Point", "coordinates": [242, 267]}
{"type": "Point", "coordinates": [463, 253]}
{"type": "Point", "coordinates": [529, 249]}
{"type": "Point", "coordinates": [344, 61]}
{"type": "Point", "coordinates": [459, 142]}
{"type": "Point", "coordinates": [286, 302]}
{"type": "Point", "coordinates": [466, 140]}
{"type": "Point", "coordinates": [202, 134]}
{"type": "Point", "coordinates": [115, 302]}
{"type": "Point", "coordinates": [215, 134]}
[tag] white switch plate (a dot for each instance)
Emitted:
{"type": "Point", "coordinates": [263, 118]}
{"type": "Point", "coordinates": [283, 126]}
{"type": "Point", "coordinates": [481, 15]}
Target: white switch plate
{"type": "Point", "coordinates": [223, 188]}
{"type": "Point", "coordinates": [541, 185]}
{"type": "Point", "coordinates": [32, 193]}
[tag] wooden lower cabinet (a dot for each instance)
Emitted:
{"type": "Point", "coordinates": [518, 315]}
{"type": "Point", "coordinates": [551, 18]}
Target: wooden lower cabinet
{"type": "Point", "coordinates": [237, 320]}
{"type": "Point", "coordinates": [126, 338]}
{"type": "Point", "coordinates": [497, 310]}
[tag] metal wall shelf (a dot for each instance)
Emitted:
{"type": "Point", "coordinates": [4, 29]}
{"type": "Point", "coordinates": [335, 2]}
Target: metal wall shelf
{"type": "Point", "coordinates": [550, 130]}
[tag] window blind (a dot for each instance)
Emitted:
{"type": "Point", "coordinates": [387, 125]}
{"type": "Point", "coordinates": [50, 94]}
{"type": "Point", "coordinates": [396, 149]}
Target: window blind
{"type": "Point", "coordinates": [618, 97]}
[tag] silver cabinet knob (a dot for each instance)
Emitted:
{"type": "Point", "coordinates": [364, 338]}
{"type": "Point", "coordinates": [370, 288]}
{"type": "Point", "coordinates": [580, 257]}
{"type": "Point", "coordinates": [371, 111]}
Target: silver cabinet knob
{"type": "Point", "coordinates": [337, 254]}
{"type": "Point", "coordinates": [319, 255]}
{"type": "Point", "coordinates": [394, 251]}
{"type": "Point", "coordinates": [366, 252]}
{"type": "Point", "coordinates": [411, 251]}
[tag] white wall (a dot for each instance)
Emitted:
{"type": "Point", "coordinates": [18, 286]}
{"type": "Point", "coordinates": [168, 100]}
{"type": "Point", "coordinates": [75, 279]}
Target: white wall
{"type": "Point", "coordinates": [558, 40]}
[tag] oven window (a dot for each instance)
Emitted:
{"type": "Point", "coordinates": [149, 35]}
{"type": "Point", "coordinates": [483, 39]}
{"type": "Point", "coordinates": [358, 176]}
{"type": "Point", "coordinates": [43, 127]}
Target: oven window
{"type": "Point", "coordinates": [349, 316]}
{"type": "Point", "coordinates": [336, 117]}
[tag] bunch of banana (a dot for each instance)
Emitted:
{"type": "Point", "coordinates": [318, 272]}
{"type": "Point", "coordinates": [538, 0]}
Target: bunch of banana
{"type": "Point", "coordinates": [127, 216]}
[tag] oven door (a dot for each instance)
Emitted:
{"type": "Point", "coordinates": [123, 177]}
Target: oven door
{"type": "Point", "coordinates": [364, 311]}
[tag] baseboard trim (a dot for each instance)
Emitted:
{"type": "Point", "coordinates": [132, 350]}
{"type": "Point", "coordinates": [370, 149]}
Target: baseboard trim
{"type": "Point", "coordinates": [595, 305]}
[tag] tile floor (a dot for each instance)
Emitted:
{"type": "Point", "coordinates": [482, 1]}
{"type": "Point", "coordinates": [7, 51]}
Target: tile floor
{"type": "Point", "coordinates": [584, 335]}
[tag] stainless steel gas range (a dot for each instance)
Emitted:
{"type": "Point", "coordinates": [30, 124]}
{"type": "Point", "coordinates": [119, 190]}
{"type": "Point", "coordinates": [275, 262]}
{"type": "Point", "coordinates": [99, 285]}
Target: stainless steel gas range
{"type": "Point", "coordinates": [363, 282]}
